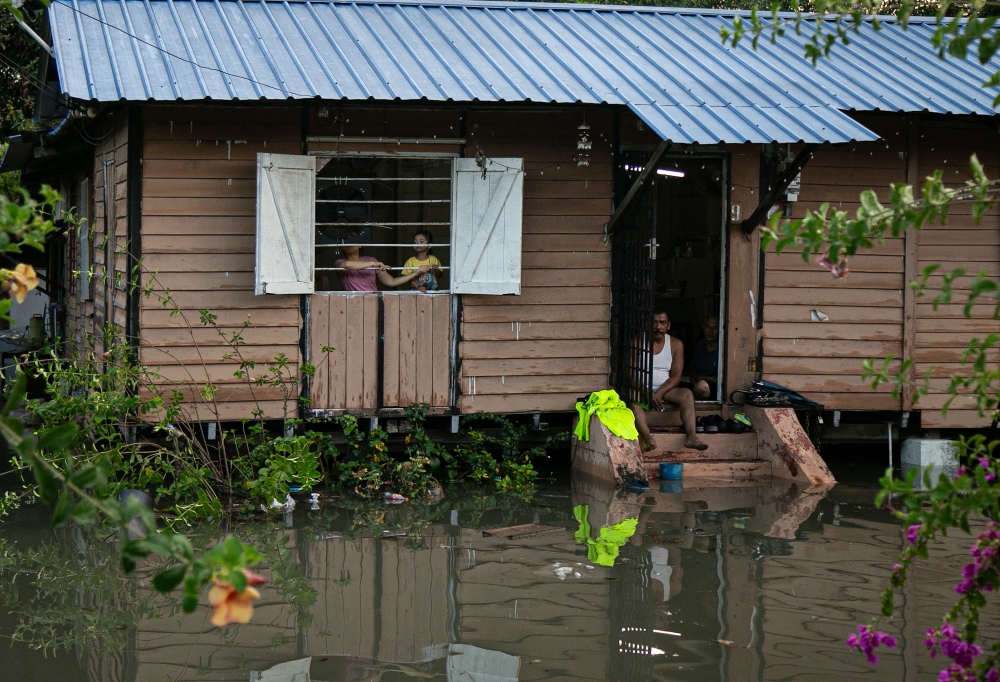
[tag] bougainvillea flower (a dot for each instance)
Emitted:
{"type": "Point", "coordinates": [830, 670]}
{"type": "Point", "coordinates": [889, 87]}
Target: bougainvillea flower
{"type": "Point", "coordinates": [838, 270]}
{"type": "Point", "coordinates": [20, 281]}
{"type": "Point", "coordinates": [230, 606]}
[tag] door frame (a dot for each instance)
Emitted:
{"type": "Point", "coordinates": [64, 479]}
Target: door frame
{"type": "Point", "coordinates": [723, 158]}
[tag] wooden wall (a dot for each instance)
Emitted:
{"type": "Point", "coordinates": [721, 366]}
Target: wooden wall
{"type": "Point", "coordinates": [544, 349]}
{"type": "Point", "coordinates": [941, 335]}
{"type": "Point", "coordinates": [547, 347]}
{"type": "Point", "coordinates": [873, 313]}
{"type": "Point", "coordinates": [198, 224]}
{"type": "Point", "coordinates": [822, 360]}
{"type": "Point", "coordinates": [108, 211]}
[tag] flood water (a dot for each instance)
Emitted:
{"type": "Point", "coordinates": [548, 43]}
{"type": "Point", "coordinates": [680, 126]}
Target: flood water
{"type": "Point", "coordinates": [739, 583]}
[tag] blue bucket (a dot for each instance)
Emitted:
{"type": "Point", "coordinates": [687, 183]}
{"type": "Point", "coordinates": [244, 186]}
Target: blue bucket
{"type": "Point", "coordinates": [671, 487]}
{"type": "Point", "coordinates": [671, 471]}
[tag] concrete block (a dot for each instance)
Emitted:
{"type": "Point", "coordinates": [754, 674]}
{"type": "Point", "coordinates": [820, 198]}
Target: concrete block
{"type": "Point", "coordinates": [781, 440]}
{"type": "Point", "coordinates": [940, 457]}
{"type": "Point", "coordinates": [606, 456]}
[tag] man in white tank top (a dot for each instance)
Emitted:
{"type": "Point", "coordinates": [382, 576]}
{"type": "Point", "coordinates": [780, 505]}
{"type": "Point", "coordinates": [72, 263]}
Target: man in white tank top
{"type": "Point", "coordinates": [668, 366]}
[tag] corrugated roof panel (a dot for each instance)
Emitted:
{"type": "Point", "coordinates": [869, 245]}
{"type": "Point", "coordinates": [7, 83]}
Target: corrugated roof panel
{"type": "Point", "coordinates": [667, 65]}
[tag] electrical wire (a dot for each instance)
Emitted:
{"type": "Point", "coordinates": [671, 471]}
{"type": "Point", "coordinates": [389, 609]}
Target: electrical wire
{"type": "Point", "coordinates": [34, 79]}
{"type": "Point", "coordinates": [175, 56]}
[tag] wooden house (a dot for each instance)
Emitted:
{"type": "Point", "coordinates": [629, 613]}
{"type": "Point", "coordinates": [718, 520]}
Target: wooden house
{"type": "Point", "coordinates": [577, 166]}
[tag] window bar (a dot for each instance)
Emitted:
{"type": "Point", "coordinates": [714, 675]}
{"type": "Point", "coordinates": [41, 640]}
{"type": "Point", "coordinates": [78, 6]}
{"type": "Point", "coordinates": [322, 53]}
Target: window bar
{"type": "Point", "coordinates": [405, 244]}
{"type": "Point", "coordinates": [394, 267]}
{"type": "Point", "coordinates": [383, 201]}
{"type": "Point", "coordinates": [420, 224]}
{"type": "Point", "coordinates": [343, 180]}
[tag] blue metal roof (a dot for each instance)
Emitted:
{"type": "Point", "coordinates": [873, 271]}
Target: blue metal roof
{"type": "Point", "coordinates": [667, 65]}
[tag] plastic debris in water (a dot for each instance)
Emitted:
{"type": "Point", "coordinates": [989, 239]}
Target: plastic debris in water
{"type": "Point", "coordinates": [563, 571]}
{"type": "Point", "coordinates": [395, 498]}
{"type": "Point", "coordinates": [285, 507]}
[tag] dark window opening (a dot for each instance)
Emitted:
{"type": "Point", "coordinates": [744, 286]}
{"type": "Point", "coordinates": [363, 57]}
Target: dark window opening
{"type": "Point", "coordinates": [381, 204]}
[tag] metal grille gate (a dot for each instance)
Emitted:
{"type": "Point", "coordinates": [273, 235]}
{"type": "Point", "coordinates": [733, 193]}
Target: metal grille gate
{"type": "Point", "coordinates": [633, 278]}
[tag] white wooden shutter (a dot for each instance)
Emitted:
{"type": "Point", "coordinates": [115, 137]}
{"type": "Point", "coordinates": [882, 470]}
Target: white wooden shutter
{"type": "Point", "coordinates": [286, 216]}
{"type": "Point", "coordinates": [486, 227]}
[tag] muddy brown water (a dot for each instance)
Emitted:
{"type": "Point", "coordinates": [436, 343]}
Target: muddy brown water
{"type": "Point", "coordinates": [739, 583]}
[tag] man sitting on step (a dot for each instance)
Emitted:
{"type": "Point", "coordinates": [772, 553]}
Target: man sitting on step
{"type": "Point", "coordinates": [668, 366]}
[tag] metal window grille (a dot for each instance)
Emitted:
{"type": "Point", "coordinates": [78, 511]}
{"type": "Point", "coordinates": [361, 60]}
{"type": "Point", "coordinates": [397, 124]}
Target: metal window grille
{"type": "Point", "coordinates": [380, 203]}
{"type": "Point", "coordinates": [633, 254]}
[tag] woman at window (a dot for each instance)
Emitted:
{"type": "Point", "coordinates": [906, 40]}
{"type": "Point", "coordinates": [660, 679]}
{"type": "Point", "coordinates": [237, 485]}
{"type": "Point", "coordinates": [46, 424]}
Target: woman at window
{"type": "Point", "coordinates": [360, 272]}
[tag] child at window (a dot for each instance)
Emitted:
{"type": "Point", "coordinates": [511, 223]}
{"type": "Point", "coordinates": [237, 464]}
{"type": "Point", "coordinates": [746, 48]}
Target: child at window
{"type": "Point", "coordinates": [426, 281]}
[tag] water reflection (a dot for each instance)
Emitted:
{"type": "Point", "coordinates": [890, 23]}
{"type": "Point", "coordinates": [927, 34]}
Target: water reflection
{"type": "Point", "coordinates": [737, 583]}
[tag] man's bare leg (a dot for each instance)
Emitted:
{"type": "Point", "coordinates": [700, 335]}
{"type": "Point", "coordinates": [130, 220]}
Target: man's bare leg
{"type": "Point", "coordinates": [684, 399]}
{"type": "Point", "coordinates": [645, 439]}
{"type": "Point", "coordinates": [702, 390]}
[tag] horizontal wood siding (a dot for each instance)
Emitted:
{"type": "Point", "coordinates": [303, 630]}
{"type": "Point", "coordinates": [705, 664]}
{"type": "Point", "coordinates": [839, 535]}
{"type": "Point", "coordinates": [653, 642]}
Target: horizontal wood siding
{"type": "Point", "coordinates": [822, 360]}
{"type": "Point", "coordinates": [544, 349]}
{"type": "Point", "coordinates": [942, 335]}
{"type": "Point", "coordinates": [108, 244]}
{"type": "Point", "coordinates": [198, 224]}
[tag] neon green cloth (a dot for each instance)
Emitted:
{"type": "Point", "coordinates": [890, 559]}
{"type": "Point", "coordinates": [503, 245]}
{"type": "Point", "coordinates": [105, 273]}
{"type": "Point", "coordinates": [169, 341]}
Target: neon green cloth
{"type": "Point", "coordinates": [604, 549]}
{"type": "Point", "coordinates": [612, 412]}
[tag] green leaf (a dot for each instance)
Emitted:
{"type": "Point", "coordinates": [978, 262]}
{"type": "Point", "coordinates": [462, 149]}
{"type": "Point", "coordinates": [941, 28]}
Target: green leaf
{"type": "Point", "coordinates": [58, 438]}
{"type": "Point", "coordinates": [238, 580]}
{"type": "Point", "coordinates": [17, 394]}
{"type": "Point", "coordinates": [44, 479]}
{"type": "Point", "coordinates": [166, 581]}
{"type": "Point", "coordinates": [64, 510]}
{"type": "Point", "coordinates": [85, 477]}
{"type": "Point", "coordinates": [189, 603]}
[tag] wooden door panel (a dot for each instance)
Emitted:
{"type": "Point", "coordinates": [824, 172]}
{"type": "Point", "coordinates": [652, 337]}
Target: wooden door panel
{"type": "Point", "coordinates": [424, 337]}
{"type": "Point", "coordinates": [415, 350]}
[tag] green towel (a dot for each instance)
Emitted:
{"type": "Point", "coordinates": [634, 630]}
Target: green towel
{"type": "Point", "coordinates": [612, 412]}
{"type": "Point", "coordinates": [604, 549]}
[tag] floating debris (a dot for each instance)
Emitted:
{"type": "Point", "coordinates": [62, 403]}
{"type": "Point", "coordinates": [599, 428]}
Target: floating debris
{"type": "Point", "coordinates": [526, 530]}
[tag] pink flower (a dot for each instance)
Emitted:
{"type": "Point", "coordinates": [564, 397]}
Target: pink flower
{"type": "Point", "coordinates": [837, 270]}
{"type": "Point", "coordinates": [867, 640]}
{"type": "Point", "coordinates": [911, 534]}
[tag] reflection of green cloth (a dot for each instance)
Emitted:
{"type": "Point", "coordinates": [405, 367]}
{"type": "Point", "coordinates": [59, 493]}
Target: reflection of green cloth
{"type": "Point", "coordinates": [612, 412]}
{"type": "Point", "coordinates": [604, 549]}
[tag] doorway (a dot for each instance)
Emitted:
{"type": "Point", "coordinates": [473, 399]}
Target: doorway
{"type": "Point", "coordinates": [669, 254]}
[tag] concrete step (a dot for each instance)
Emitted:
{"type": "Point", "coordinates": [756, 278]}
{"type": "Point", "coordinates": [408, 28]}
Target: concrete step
{"type": "Point", "coordinates": [670, 415]}
{"type": "Point", "coordinates": [721, 446]}
{"type": "Point", "coordinates": [719, 472]}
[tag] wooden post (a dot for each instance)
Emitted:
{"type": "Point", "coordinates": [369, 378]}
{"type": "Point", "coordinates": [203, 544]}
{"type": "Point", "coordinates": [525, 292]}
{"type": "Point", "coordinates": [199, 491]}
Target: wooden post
{"type": "Point", "coordinates": [910, 259]}
{"type": "Point", "coordinates": [744, 259]}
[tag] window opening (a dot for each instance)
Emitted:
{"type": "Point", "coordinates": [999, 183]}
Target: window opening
{"type": "Point", "coordinates": [379, 206]}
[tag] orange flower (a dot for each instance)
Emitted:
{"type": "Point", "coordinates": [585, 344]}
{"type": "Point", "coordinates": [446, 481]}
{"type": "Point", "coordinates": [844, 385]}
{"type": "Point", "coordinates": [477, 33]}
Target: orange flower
{"type": "Point", "coordinates": [230, 606]}
{"type": "Point", "coordinates": [20, 281]}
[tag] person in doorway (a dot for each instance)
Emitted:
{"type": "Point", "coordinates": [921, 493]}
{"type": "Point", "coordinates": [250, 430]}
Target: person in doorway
{"type": "Point", "coordinates": [425, 257]}
{"type": "Point", "coordinates": [706, 362]}
{"type": "Point", "coordinates": [360, 272]}
{"type": "Point", "coordinates": [668, 367]}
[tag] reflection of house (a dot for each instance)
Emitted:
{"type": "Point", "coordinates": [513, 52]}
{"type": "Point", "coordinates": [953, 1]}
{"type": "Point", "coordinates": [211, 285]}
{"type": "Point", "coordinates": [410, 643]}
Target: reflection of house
{"type": "Point", "coordinates": [738, 584]}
